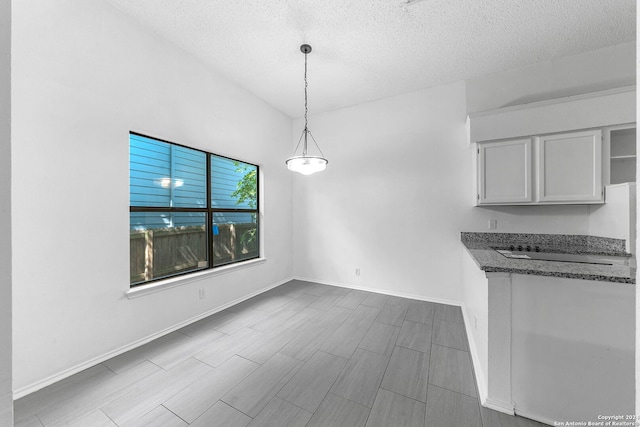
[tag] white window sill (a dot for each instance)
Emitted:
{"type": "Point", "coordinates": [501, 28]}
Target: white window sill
{"type": "Point", "coordinates": [173, 282]}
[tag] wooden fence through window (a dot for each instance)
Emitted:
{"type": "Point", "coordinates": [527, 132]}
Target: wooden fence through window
{"type": "Point", "coordinates": [163, 252]}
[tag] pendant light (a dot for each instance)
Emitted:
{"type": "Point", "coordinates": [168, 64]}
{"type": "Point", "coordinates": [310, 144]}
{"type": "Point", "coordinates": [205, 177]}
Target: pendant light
{"type": "Point", "coordinates": [306, 164]}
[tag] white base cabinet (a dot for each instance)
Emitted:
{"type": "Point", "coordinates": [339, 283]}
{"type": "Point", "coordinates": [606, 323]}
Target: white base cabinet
{"type": "Point", "coordinates": [548, 348]}
{"type": "Point", "coordinates": [572, 348]}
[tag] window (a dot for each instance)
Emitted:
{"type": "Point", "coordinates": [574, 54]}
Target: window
{"type": "Point", "coordinates": [189, 210]}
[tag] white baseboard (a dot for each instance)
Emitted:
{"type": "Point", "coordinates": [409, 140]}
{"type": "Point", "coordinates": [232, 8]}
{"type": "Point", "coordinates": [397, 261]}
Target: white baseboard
{"type": "Point", "coordinates": [487, 402]}
{"type": "Point", "coordinates": [380, 291]}
{"type": "Point", "coordinates": [99, 359]}
{"type": "Point", "coordinates": [499, 405]}
{"type": "Point", "coordinates": [481, 383]}
{"type": "Point", "coordinates": [535, 417]}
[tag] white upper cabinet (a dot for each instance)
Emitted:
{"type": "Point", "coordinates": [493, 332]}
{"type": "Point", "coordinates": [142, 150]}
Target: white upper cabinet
{"type": "Point", "coordinates": [569, 167]}
{"type": "Point", "coordinates": [561, 168]}
{"type": "Point", "coordinates": [504, 172]}
{"type": "Point", "coordinates": [552, 151]}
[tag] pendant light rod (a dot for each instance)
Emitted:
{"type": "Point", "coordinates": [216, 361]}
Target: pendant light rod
{"type": "Point", "coordinates": [306, 164]}
{"type": "Point", "coordinates": [306, 49]}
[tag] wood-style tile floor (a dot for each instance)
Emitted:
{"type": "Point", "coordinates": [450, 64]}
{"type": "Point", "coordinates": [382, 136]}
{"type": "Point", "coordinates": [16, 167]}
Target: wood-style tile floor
{"type": "Point", "coordinates": [301, 354]}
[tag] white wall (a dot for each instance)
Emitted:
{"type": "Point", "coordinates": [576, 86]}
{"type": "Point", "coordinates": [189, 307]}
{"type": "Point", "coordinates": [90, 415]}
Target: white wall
{"type": "Point", "coordinates": [606, 68]}
{"type": "Point", "coordinates": [396, 194]}
{"type": "Point", "coordinates": [6, 396]}
{"type": "Point", "coordinates": [475, 293]}
{"type": "Point", "coordinates": [617, 217]}
{"type": "Point", "coordinates": [637, 245]}
{"type": "Point", "coordinates": [84, 76]}
{"type": "Point", "coordinates": [566, 219]}
{"type": "Point", "coordinates": [392, 198]}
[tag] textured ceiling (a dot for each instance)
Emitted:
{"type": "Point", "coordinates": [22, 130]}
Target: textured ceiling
{"type": "Point", "coordinates": [369, 49]}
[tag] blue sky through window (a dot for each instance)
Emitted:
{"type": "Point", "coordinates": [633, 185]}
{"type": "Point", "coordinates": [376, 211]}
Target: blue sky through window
{"type": "Point", "coordinates": [168, 175]}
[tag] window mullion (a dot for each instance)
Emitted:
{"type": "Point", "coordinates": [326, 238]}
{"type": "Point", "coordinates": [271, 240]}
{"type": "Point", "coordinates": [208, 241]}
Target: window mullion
{"type": "Point", "coordinates": [163, 209]}
{"type": "Point", "coordinates": [209, 215]}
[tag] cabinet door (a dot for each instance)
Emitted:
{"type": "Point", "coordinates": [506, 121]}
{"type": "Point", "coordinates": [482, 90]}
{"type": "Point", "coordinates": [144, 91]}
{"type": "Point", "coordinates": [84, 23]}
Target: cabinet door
{"type": "Point", "coordinates": [504, 172]}
{"type": "Point", "coordinates": [570, 167]}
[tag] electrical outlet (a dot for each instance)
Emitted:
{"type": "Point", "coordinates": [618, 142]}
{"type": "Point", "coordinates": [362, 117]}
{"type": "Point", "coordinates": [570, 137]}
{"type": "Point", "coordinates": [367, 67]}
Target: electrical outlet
{"type": "Point", "coordinates": [357, 272]}
{"type": "Point", "coordinates": [201, 293]}
{"type": "Point", "coordinates": [493, 224]}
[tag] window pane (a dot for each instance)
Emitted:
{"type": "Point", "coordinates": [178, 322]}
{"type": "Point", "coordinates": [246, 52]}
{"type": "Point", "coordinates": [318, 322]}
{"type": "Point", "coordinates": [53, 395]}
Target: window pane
{"type": "Point", "coordinates": [235, 237]}
{"type": "Point", "coordinates": [166, 243]}
{"type": "Point", "coordinates": [234, 184]}
{"type": "Point", "coordinates": [165, 175]}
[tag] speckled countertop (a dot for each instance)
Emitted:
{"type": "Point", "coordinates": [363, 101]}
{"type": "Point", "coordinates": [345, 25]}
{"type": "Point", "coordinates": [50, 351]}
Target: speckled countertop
{"type": "Point", "coordinates": [481, 247]}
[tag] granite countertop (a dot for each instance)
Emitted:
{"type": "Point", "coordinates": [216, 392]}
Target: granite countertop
{"type": "Point", "coordinates": [481, 247]}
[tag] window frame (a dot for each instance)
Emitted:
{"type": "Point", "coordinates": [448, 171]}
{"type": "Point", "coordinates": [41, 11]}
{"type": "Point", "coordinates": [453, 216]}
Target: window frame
{"type": "Point", "coordinates": [209, 211]}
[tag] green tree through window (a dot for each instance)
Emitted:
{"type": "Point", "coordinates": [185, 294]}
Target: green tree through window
{"type": "Point", "coordinates": [247, 192]}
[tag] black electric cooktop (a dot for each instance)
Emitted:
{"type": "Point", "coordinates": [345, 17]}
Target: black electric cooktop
{"type": "Point", "coordinates": [550, 256]}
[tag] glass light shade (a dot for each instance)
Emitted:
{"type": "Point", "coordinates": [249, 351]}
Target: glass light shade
{"type": "Point", "coordinates": [306, 165]}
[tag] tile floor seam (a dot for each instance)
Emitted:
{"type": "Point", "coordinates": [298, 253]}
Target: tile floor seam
{"type": "Point", "coordinates": [453, 391]}
{"type": "Point", "coordinates": [140, 417]}
{"type": "Point", "coordinates": [409, 348]}
{"type": "Point", "coordinates": [292, 403]}
{"type": "Point", "coordinates": [351, 400]}
{"type": "Point", "coordinates": [472, 371]}
{"type": "Point", "coordinates": [383, 374]}
{"type": "Point", "coordinates": [448, 346]}
{"type": "Point", "coordinates": [369, 413]}
{"type": "Point", "coordinates": [40, 421]}
{"type": "Point", "coordinates": [230, 405]}
{"type": "Point", "coordinates": [329, 389]}
{"type": "Point", "coordinates": [187, 422]}
{"type": "Point", "coordinates": [114, 372]}
{"type": "Point", "coordinates": [403, 395]}
{"type": "Point", "coordinates": [371, 409]}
